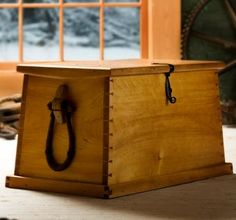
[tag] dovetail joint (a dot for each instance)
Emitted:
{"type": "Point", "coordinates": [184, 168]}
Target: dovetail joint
{"type": "Point", "coordinates": [107, 192]}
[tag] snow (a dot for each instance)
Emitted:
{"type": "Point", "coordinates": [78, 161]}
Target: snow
{"type": "Point", "coordinates": [81, 33]}
{"type": "Point", "coordinates": [9, 52]}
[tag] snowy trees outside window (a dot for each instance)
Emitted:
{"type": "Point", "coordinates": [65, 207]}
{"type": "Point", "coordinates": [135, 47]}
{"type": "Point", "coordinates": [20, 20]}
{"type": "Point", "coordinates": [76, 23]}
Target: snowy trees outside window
{"type": "Point", "coordinates": [8, 1]}
{"type": "Point", "coordinates": [8, 34]}
{"type": "Point", "coordinates": [40, 1]}
{"type": "Point", "coordinates": [81, 35]}
{"type": "Point", "coordinates": [41, 36]}
{"type": "Point", "coordinates": [121, 1]}
{"type": "Point", "coordinates": [121, 33]}
{"type": "Point", "coordinates": [81, 0]}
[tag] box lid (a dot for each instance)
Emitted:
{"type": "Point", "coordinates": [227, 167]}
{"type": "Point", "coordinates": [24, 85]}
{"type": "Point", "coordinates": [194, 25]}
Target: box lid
{"type": "Point", "coordinates": [113, 68]}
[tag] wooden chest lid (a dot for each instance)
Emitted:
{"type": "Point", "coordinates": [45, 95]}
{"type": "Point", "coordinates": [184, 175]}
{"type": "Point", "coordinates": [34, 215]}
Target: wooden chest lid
{"type": "Point", "coordinates": [113, 68]}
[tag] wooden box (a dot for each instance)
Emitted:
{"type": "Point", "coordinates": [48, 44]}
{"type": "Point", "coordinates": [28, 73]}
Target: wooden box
{"type": "Point", "coordinates": [128, 135]}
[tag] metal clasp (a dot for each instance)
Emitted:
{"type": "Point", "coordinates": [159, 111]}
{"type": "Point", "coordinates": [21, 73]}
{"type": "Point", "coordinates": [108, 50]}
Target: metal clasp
{"type": "Point", "coordinates": [58, 104]}
{"type": "Point", "coordinates": [168, 88]}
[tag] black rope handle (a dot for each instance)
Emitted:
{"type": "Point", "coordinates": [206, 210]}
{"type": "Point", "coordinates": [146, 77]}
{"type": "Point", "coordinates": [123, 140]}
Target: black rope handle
{"type": "Point", "coordinates": [168, 88]}
{"type": "Point", "coordinates": [66, 111]}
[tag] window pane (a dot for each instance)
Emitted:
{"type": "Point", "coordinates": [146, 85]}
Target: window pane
{"type": "Point", "coordinates": [121, 1]}
{"type": "Point", "coordinates": [81, 0]}
{"type": "Point", "coordinates": [122, 33]}
{"type": "Point", "coordinates": [8, 1]}
{"type": "Point", "coordinates": [40, 1]}
{"type": "Point", "coordinates": [41, 34]}
{"type": "Point", "coordinates": [81, 33]}
{"type": "Point", "coordinates": [8, 34]}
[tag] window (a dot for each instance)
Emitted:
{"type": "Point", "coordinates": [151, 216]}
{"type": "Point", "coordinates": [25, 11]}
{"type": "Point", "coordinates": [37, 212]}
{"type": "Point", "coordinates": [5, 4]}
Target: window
{"type": "Point", "coordinates": [61, 30]}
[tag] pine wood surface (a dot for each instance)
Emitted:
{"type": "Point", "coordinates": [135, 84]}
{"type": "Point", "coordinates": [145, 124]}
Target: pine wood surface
{"type": "Point", "coordinates": [164, 29]}
{"type": "Point", "coordinates": [126, 131]}
{"type": "Point", "coordinates": [150, 137]}
{"type": "Point", "coordinates": [51, 185]}
{"type": "Point", "coordinates": [116, 190]}
{"type": "Point", "coordinates": [172, 179]}
{"type": "Point", "coordinates": [112, 68]}
{"type": "Point", "coordinates": [10, 81]}
{"type": "Point", "coordinates": [88, 95]}
{"type": "Point", "coordinates": [213, 198]}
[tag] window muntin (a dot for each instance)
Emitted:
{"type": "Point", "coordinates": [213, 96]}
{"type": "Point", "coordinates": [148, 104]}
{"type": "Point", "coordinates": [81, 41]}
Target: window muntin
{"type": "Point", "coordinates": [99, 46]}
{"type": "Point", "coordinates": [8, 1]}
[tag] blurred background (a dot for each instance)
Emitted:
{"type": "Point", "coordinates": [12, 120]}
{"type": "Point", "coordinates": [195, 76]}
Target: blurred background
{"type": "Point", "coordinates": [209, 33]}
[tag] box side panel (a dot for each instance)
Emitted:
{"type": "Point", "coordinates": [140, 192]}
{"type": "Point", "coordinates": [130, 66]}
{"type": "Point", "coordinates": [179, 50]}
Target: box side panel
{"type": "Point", "coordinates": [21, 123]}
{"type": "Point", "coordinates": [87, 120]}
{"type": "Point", "coordinates": [151, 137]}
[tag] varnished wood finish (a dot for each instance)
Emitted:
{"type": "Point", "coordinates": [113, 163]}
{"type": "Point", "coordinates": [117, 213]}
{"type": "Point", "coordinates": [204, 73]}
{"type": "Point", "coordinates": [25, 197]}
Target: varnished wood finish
{"type": "Point", "coordinates": [128, 137]}
{"type": "Point", "coordinates": [10, 81]}
{"type": "Point", "coordinates": [50, 185]}
{"type": "Point", "coordinates": [87, 122]}
{"type": "Point", "coordinates": [21, 124]}
{"type": "Point", "coordinates": [8, 66]}
{"type": "Point", "coordinates": [169, 180]}
{"type": "Point", "coordinates": [151, 137]}
{"type": "Point", "coordinates": [113, 191]}
{"type": "Point", "coordinates": [144, 29]}
{"type": "Point", "coordinates": [112, 68]}
{"type": "Point", "coordinates": [20, 30]}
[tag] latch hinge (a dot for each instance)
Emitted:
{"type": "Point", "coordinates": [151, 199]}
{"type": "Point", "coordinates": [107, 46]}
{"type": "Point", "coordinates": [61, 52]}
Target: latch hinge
{"type": "Point", "coordinates": [168, 88]}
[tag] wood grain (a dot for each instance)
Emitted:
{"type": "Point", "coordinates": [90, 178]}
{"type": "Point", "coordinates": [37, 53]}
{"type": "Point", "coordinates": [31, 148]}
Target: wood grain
{"type": "Point", "coordinates": [151, 138]}
{"type": "Point", "coordinates": [91, 69]}
{"type": "Point", "coordinates": [164, 29]}
{"type": "Point", "coordinates": [10, 81]}
{"type": "Point", "coordinates": [21, 124]}
{"type": "Point", "coordinates": [169, 180]}
{"type": "Point", "coordinates": [59, 186]}
{"type": "Point", "coordinates": [88, 95]}
{"type": "Point", "coordinates": [126, 131]}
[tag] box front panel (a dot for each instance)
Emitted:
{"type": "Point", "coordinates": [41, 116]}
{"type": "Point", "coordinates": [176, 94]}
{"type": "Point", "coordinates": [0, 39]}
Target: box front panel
{"type": "Point", "coordinates": [87, 122]}
{"type": "Point", "coordinates": [151, 137]}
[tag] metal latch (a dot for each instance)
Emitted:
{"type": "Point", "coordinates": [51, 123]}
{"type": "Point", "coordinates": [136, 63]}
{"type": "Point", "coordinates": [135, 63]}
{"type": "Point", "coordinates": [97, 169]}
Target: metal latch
{"type": "Point", "coordinates": [168, 88]}
{"type": "Point", "coordinates": [59, 106]}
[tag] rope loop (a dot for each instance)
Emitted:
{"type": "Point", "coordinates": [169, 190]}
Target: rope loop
{"type": "Point", "coordinates": [61, 112]}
